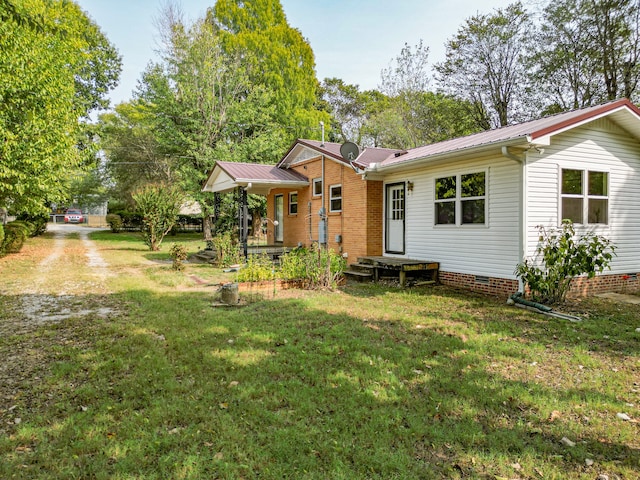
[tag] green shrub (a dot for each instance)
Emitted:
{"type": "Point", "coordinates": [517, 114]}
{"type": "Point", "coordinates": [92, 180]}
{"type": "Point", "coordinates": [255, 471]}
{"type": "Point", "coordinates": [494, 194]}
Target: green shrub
{"type": "Point", "coordinates": [318, 267]}
{"type": "Point", "coordinates": [15, 234]}
{"type": "Point", "coordinates": [259, 268]}
{"type": "Point", "coordinates": [131, 221]}
{"type": "Point", "coordinates": [115, 222]}
{"type": "Point", "coordinates": [37, 223]}
{"type": "Point", "coordinates": [560, 257]}
{"type": "Point", "coordinates": [160, 205]}
{"type": "Point", "coordinates": [227, 249]}
{"type": "Point", "coordinates": [1, 237]}
{"type": "Point", "coordinates": [178, 253]}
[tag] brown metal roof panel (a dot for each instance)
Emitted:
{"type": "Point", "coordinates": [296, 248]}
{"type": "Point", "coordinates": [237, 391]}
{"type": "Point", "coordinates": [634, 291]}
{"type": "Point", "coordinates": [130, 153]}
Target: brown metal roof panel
{"type": "Point", "coordinates": [534, 129]}
{"type": "Point", "coordinates": [368, 155]}
{"type": "Point", "coordinates": [257, 172]}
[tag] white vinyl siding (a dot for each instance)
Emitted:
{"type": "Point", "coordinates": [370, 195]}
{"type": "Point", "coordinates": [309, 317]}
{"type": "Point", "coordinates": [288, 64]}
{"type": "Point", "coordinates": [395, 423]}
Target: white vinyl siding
{"type": "Point", "coordinates": [491, 249]}
{"type": "Point", "coordinates": [602, 147]}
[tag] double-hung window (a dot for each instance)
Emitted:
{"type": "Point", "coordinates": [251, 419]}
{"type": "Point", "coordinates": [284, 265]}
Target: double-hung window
{"type": "Point", "coordinates": [461, 199]}
{"type": "Point", "coordinates": [584, 196]}
{"type": "Point", "coordinates": [317, 187]}
{"type": "Point", "coordinates": [335, 198]}
{"type": "Point", "coordinates": [293, 203]}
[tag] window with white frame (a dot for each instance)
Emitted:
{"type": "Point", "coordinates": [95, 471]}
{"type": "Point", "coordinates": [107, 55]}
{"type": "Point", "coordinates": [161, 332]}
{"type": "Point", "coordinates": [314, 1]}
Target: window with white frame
{"type": "Point", "coordinates": [335, 198]}
{"type": "Point", "coordinates": [461, 199]}
{"type": "Point", "coordinates": [317, 187]}
{"type": "Point", "coordinates": [293, 203]}
{"type": "Point", "coordinates": [584, 196]}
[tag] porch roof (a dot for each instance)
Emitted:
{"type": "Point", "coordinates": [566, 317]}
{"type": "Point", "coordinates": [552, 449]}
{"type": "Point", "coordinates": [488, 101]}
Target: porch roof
{"type": "Point", "coordinates": [256, 178]}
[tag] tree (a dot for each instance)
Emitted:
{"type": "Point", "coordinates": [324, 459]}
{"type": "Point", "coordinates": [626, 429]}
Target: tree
{"type": "Point", "coordinates": [276, 55]}
{"type": "Point", "coordinates": [56, 66]}
{"type": "Point", "coordinates": [484, 65]}
{"type": "Point", "coordinates": [159, 204]}
{"type": "Point", "coordinates": [563, 67]}
{"type": "Point", "coordinates": [134, 156]}
{"type": "Point", "coordinates": [412, 115]}
{"type": "Point", "coordinates": [350, 109]}
{"type": "Point", "coordinates": [586, 52]}
{"type": "Point", "coordinates": [615, 35]}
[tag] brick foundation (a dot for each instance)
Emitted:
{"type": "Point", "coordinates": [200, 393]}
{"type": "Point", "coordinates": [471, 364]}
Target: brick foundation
{"type": "Point", "coordinates": [620, 283]}
{"type": "Point", "coordinates": [488, 286]}
{"type": "Point", "coordinates": [581, 287]}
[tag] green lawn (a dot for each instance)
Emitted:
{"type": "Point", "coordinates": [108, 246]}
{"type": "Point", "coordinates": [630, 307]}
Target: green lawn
{"type": "Point", "coordinates": [366, 382]}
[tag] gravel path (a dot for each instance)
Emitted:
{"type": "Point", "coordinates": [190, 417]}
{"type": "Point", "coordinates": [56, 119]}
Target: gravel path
{"type": "Point", "coordinates": [52, 295]}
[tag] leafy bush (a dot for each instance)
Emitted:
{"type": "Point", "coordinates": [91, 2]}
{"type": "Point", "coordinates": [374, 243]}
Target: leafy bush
{"type": "Point", "coordinates": [560, 257]}
{"type": "Point", "coordinates": [1, 237]}
{"type": "Point", "coordinates": [258, 268]}
{"type": "Point", "coordinates": [131, 221]}
{"type": "Point", "coordinates": [15, 234]}
{"type": "Point", "coordinates": [318, 267]}
{"type": "Point", "coordinates": [178, 253]}
{"type": "Point", "coordinates": [37, 223]}
{"type": "Point", "coordinates": [159, 205]}
{"type": "Point", "coordinates": [227, 249]}
{"type": "Point", "coordinates": [115, 222]}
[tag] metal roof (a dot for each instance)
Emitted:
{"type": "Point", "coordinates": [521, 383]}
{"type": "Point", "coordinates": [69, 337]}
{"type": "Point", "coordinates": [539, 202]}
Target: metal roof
{"type": "Point", "coordinates": [535, 132]}
{"type": "Point", "coordinates": [257, 178]}
{"type": "Point", "coordinates": [368, 155]}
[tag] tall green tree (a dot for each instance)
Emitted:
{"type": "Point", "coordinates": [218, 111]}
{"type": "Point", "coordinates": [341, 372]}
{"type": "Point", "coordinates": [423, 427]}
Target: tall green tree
{"type": "Point", "coordinates": [412, 114]}
{"type": "Point", "coordinates": [587, 52]}
{"type": "Point", "coordinates": [484, 64]}
{"type": "Point", "coordinates": [563, 66]}
{"type": "Point", "coordinates": [56, 67]}
{"type": "Point", "coordinates": [277, 57]}
{"type": "Point", "coordinates": [351, 110]}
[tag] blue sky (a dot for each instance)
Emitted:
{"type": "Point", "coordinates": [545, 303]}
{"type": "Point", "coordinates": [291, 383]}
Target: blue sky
{"type": "Point", "coordinates": [351, 39]}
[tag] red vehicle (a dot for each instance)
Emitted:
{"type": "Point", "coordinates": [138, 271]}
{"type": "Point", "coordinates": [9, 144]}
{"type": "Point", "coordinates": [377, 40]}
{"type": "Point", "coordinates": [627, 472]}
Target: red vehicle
{"type": "Point", "coordinates": [73, 216]}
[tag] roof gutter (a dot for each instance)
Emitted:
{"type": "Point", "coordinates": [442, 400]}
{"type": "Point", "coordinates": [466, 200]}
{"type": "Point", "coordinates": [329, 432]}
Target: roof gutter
{"type": "Point", "coordinates": [378, 168]}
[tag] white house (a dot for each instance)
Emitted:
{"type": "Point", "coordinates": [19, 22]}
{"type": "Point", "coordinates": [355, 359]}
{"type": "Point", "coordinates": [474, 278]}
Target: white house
{"type": "Point", "coordinates": [474, 204]}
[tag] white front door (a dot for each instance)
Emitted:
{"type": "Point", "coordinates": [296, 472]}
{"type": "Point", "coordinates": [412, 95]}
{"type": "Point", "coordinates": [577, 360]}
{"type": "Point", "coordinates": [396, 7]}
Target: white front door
{"type": "Point", "coordinates": [394, 226]}
{"type": "Point", "coordinates": [278, 216]}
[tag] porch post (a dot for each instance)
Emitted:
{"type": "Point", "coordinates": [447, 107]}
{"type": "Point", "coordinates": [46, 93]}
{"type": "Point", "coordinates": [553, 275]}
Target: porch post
{"type": "Point", "coordinates": [243, 217]}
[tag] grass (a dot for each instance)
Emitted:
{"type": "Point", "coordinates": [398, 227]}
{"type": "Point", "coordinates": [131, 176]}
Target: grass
{"type": "Point", "coordinates": [367, 382]}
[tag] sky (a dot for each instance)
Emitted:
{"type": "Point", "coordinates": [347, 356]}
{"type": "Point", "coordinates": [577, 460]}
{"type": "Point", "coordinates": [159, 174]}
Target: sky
{"type": "Point", "coordinates": [352, 39]}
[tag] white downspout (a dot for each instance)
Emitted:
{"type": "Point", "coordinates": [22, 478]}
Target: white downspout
{"type": "Point", "coordinates": [522, 240]}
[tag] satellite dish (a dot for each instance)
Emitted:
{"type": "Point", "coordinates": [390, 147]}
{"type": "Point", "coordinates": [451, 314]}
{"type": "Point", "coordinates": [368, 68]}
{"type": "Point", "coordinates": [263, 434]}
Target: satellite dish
{"type": "Point", "coordinates": [349, 151]}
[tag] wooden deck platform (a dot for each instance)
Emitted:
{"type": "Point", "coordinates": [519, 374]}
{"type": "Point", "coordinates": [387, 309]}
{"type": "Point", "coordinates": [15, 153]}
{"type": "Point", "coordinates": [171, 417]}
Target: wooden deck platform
{"type": "Point", "coordinates": [376, 266]}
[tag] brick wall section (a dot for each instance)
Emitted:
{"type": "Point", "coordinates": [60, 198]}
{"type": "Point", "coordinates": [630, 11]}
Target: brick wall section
{"type": "Point", "coordinates": [359, 223]}
{"type": "Point", "coordinates": [495, 286]}
{"type": "Point", "coordinates": [581, 287]}
{"type": "Point", "coordinates": [620, 283]}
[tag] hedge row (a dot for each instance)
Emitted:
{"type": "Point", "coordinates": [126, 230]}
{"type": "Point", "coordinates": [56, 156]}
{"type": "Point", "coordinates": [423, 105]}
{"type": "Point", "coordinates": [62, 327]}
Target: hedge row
{"type": "Point", "coordinates": [132, 222]}
{"type": "Point", "coordinates": [14, 234]}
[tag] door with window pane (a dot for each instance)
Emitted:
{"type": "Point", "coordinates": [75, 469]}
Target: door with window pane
{"type": "Point", "coordinates": [278, 217]}
{"type": "Point", "coordinates": [395, 213]}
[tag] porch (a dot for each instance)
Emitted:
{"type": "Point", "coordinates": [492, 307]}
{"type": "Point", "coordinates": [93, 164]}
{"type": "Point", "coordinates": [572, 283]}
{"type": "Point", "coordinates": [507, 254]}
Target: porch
{"type": "Point", "coordinates": [375, 267]}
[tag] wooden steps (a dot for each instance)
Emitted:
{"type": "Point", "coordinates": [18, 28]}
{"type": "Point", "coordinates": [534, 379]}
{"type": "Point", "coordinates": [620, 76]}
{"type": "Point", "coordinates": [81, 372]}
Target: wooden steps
{"type": "Point", "coordinates": [372, 268]}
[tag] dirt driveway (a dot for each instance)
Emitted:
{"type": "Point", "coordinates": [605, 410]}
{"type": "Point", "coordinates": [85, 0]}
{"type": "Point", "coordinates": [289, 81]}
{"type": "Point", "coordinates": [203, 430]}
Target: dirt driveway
{"type": "Point", "coordinates": [54, 291]}
{"type": "Point", "coordinates": [58, 281]}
